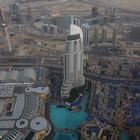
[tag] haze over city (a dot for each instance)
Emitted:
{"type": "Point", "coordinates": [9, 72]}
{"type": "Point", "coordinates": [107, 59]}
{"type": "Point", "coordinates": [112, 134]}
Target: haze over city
{"type": "Point", "coordinates": [69, 69]}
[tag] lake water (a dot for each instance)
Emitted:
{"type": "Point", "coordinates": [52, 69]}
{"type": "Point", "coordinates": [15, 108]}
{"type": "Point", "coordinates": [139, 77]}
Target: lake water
{"type": "Point", "coordinates": [63, 118]}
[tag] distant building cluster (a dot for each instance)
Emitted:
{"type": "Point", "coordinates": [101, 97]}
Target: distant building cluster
{"type": "Point", "coordinates": [106, 33]}
{"type": "Point", "coordinates": [113, 102]}
{"type": "Point", "coordinates": [106, 99]}
{"type": "Point", "coordinates": [57, 27]}
{"type": "Point", "coordinates": [117, 68]}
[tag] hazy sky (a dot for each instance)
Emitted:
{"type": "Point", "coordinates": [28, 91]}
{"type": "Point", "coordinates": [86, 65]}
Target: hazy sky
{"type": "Point", "coordinates": [126, 4]}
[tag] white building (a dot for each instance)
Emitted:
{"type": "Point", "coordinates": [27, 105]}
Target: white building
{"type": "Point", "coordinates": [73, 61]}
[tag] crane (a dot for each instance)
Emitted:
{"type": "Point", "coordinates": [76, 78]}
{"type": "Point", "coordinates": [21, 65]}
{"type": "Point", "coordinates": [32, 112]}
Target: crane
{"type": "Point", "coordinates": [3, 26]}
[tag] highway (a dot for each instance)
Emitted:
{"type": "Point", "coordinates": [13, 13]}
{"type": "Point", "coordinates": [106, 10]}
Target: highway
{"type": "Point", "coordinates": [55, 64]}
{"type": "Point", "coordinates": [113, 80]}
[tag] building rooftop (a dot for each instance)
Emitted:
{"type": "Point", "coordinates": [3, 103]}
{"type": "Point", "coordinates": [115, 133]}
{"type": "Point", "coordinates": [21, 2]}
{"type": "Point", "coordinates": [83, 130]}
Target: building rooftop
{"type": "Point", "coordinates": [19, 106]}
{"type": "Point", "coordinates": [7, 124]}
{"type": "Point", "coordinates": [17, 75]}
{"type": "Point", "coordinates": [22, 123]}
{"type": "Point", "coordinates": [40, 90]}
{"type": "Point", "coordinates": [6, 91]}
{"type": "Point", "coordinates": [39, 123]}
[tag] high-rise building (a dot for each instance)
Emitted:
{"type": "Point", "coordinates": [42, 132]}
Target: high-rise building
{"type": "Point", "coordinates": [107, 11]}
{"type": "Point", "coordinates": [106, 16]}
{"type": "Point", "coordinates": [46, 28]}
{"type": "Point", "coordinates": [14, 8]}
{"type": "Point", "coordinates": [96, 35]}
{"type": "Point", "coordinates": [15, 12]}
{"type": "Point", "coordinates": [85, 28]}
{"type": "Point", "coordinates": [113, 12]}
{"type": "Point", "coordinates": [53, 29]}
{"type": "Point", "coordinates": [76, 21]}
{"type": "Point", "coordinates": [73, 61]}
{"type": "Point", "coordinates": [95, 11]}
{"type": "Point", "coordinates": [114, 35]}
{"type": "Point", "coordinates": [104, 33]}
{"type": "Point", "coordinates": [29, 15]}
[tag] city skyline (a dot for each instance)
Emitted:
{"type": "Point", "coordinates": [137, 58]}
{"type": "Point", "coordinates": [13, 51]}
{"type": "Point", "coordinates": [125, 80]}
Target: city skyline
{"type": "Point", "coordinates": [69, 70]}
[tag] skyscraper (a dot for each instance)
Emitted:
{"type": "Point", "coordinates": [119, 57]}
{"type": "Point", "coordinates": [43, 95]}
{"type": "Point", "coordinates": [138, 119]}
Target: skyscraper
{"type": "Point", "coordinates": [94, 11]}
{"type": "Point", "coordinates": [114, 35]}
{"type": "Point", "coordinates": [73, 61]}
{"type": "Point", "coordinates": [96, 35]}
{"type": "Point", "coordinates": [76, 21]}
{"type": "Point", "coordinates": [104, 33]}
{"type": "Point", "coordinates": [85, 28]}
{"type": "Point", "coordinates": [15, 12]}
{"type": "Point", "coordinates": [14, 8]}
